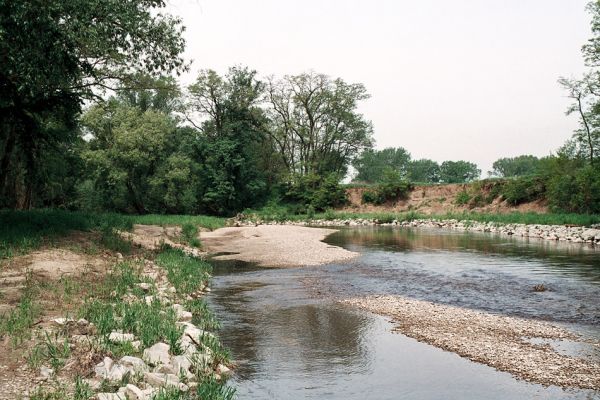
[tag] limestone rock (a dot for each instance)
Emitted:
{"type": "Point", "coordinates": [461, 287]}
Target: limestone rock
{"type": "Point", "coordinates": [134, 393]}
{"type": "Point", "coordinates": [133, 364]}
{"type": "Point", "coordinates": [118, 337]}
{"type": "Point", "coordinates": [158, 354]}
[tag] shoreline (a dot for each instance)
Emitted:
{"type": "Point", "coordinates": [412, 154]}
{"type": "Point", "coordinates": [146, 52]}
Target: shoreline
{"type": "Point", "coordinates": [501, 342]}
{"type": "Point", "coordinates": [274, 245]}
{"type": "Point", "coordinates": [555, 233]}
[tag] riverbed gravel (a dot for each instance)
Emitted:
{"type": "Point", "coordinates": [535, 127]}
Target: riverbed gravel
{"type": "Point", "coordinates": [499, 341]}
{"type": "Point", "coordinates": [274, 245]}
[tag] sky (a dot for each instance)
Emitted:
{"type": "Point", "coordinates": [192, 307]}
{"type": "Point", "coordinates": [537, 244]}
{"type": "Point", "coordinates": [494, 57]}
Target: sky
{"type": "Point", "coordinates": [463, 79]}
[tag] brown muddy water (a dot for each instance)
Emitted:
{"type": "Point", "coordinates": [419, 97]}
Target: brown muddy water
{"type": "Point", "coordinates": [292, 340]}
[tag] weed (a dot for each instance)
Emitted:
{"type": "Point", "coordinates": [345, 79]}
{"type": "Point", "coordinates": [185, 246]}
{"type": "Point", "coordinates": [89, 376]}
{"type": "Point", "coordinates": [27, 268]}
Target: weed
{"type": "Point", "coordinates": [17, 322]}
{"type": "Point", "coordinates": [185, 272]}
{"type": "Point", "coordinates": [189, 233]}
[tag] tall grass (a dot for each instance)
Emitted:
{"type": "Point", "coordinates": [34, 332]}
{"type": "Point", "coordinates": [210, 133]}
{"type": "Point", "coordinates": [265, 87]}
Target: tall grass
{"type": "Point", "coordinates": [23, 231]}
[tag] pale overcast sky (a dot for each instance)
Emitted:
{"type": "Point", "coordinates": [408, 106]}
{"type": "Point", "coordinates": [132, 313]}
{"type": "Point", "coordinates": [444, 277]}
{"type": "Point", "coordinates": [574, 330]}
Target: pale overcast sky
{"type": "Point", "coordinates": [461, 79]}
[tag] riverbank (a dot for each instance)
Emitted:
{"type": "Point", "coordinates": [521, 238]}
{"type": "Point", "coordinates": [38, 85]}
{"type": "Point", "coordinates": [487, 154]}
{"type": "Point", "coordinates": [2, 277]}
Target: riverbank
{"type": "Point", "coordinates": [565, 233]}
{"type": "Point", "coordinates": [505, 343]}
{"type": "Point", "coordinates": [107, 315]}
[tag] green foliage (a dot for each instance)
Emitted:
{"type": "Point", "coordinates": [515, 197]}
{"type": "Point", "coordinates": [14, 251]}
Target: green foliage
{"type": "Point", "coordinates": [424, 171]}
{"type": "Point", "coordinates": [189, 233]}
{"type": "Point", "coordinates": [315, 125]}
{"type": "Point", "coordinates": [234, 133]}
{"type": "Point", "coordinates": [185, 272]}
{"type": "Point", "coordinates": [507, 167]}
{"type": "Point", "coordinates": [317, 192]}
{"type": "Point", "coordinates": [458, 171]}
{"type": "Point", "coordinates": [576, 191]}
{"type": "Point", "coordinates": [17, 322]}
{"type": "Point", "coordinates": [391, 187]}
{"type": "Point", "coordinates": [372, 164]}
{"type": "Point", "coordinates": [523, 190]}
{"type": "Point", "coordinates": [462, 198]}
{"type": "Point", "coordinates": [65, 52]}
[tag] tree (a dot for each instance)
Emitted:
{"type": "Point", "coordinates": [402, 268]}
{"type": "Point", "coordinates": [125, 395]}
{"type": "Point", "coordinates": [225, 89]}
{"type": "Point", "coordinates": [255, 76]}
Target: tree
{"type": "Point", "coordinates": [315, 126]}
{"type": "Point", "coordinates": [370, 165]}
{"type": "Point", "coordinates": [126, 150]}
{"type": "Point", "coordinates": [586, 104]}
{"type": "Point", "coordinates": [424, 170]}
{"type": "Point", "coordinates": [515, 166]}
{"type": "Point", "coordinates": [233, 132]}
{"type": "Point", "coordinates": [56, 54]}
{"type": "Point", "coordinates": [458, 171]}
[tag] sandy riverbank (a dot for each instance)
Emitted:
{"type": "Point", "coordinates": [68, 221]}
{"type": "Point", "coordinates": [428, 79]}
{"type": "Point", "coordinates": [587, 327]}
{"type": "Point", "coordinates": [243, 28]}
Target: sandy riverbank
{"type": "Point", "coordinates": [498, 341]}
{"type": "Point", "coordinates": [274, 245]}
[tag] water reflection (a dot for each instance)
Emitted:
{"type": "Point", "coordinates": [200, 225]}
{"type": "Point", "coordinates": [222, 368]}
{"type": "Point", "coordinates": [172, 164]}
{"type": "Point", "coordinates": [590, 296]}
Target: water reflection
{"type": "Point", "coordinates": [292, 345]}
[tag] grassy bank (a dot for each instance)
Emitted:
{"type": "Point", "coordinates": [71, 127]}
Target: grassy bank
{"type": "Point", "coordinates": [23, 231]}
{"type": "Point", "coordinates": [132, 296]}
{"type": "Point", "coordinates": [283, 213]}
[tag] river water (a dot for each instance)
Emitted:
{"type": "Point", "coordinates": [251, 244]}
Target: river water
{"type": "Point", "coordinates": [292, 340]}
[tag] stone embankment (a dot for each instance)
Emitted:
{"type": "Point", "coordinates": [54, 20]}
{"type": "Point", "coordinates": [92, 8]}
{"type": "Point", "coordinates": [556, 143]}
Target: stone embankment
{"type": "Point", "coordinates": [565, 233]}
{"type": "Point", "coordinates": [144, 373]}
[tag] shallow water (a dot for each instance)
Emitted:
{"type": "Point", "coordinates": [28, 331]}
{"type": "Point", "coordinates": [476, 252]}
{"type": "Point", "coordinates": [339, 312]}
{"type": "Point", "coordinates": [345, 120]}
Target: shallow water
{"type": "Point", "coordinates": [293, 341]}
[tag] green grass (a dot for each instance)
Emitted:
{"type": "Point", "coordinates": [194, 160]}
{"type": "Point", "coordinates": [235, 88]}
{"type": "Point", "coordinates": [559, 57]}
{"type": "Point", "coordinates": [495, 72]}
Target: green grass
{"type": "Point", "coordinates": [24, 231]}
{"type": "Point", "coordinates": [185, 272]}
{"type": "Point", "coordinates": [18, 322]}
{"type": "Point", "coordinates": [205, 221]}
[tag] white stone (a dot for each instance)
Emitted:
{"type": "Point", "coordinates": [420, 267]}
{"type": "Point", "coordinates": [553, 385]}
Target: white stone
{"type": "Point", "coordinates": [118, 337]}
{"type": "Point", "coordinates": [144, 286]}
{"type": "Point", "coordinates": [111, 396]}
{"type": "Point", "coordinates": [158, 354]}
{"type": "Point", "coordinates": [62, 321]}
{"type": "Point", "coordinates": [134, 393]}
{"type": "Point", "coordinates": [134, 364]}
{"type": "Point", "coordinates": [162, 380]}
{"type": "Point", "coordinates": [46, 372]}
{"type": "Point", "coordinates": [182, 365]}
{"type": "Point", "coordinates": [223, 370]}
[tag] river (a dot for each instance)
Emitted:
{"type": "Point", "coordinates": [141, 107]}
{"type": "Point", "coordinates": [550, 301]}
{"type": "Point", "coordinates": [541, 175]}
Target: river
{"type": "Point", "coordinates": [293, 340]}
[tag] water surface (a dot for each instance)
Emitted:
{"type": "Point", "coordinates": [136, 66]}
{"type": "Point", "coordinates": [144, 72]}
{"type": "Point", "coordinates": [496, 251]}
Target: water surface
{"type": "Point", "coordinates": [294, 341]}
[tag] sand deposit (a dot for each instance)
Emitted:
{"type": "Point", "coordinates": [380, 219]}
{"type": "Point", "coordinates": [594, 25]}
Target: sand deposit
{"type": "Point", "coordinates": [274, 245]}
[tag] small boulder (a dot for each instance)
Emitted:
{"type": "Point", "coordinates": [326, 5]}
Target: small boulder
{"type": "Point", "coordinates": [158, 354]}
{"type": "Point", "coordinates": [118, 337]}
{"type": "Point", "coordinates": [134, 393]}
{"type": "Point", "coordinates": [111, 396]}
{"type": "Point", "coordinates": [133, 364]}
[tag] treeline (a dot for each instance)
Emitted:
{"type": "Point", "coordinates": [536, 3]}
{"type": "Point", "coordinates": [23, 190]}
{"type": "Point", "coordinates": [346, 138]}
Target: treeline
{"type": "Point", "coordinates": [372, 165]}
{"type": "Point", "coordinates": [92, 119]}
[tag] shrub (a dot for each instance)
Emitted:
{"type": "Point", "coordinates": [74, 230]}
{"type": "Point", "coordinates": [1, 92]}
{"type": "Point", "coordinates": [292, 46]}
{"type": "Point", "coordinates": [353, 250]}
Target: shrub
{"type": "Point", "coordinates": [523, 190]}
{"type": "Point", "coordinates": [577, 192]}
{"type": "Point", "coordinates": [370, 196]}
{"type": "Point", "coordinates": [393, 186]}
{"type": "Point", "coordinates": [462, 198]}
{"type": "Point", "coordinates": [318, 192]}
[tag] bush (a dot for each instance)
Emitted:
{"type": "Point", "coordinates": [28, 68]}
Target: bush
{"type": "Point", "coordinates": [523, 190]}
{"type": "Point", "coordinates": [577, 192]}
{"type": "Point", "coordinates": [462, 198]}
{"type": "Point", "coordinates": [392, 187]}
{"type": "Point", "coordinates": [317, 192]}
{"type": "Point", "coordinates": [370, 196]}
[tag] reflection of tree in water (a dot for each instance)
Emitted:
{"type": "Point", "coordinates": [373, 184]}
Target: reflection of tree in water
{"type": "Point", "coordinates": [304, 337]}
{"type": "Point", "coordinates": [574, 258]}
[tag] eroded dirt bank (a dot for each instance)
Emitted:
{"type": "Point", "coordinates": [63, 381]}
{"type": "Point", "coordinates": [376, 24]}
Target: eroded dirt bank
{"type": "Point", "coordinates": [274, 245]}
{"type": "Point", "coordinates": [498, 341]}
